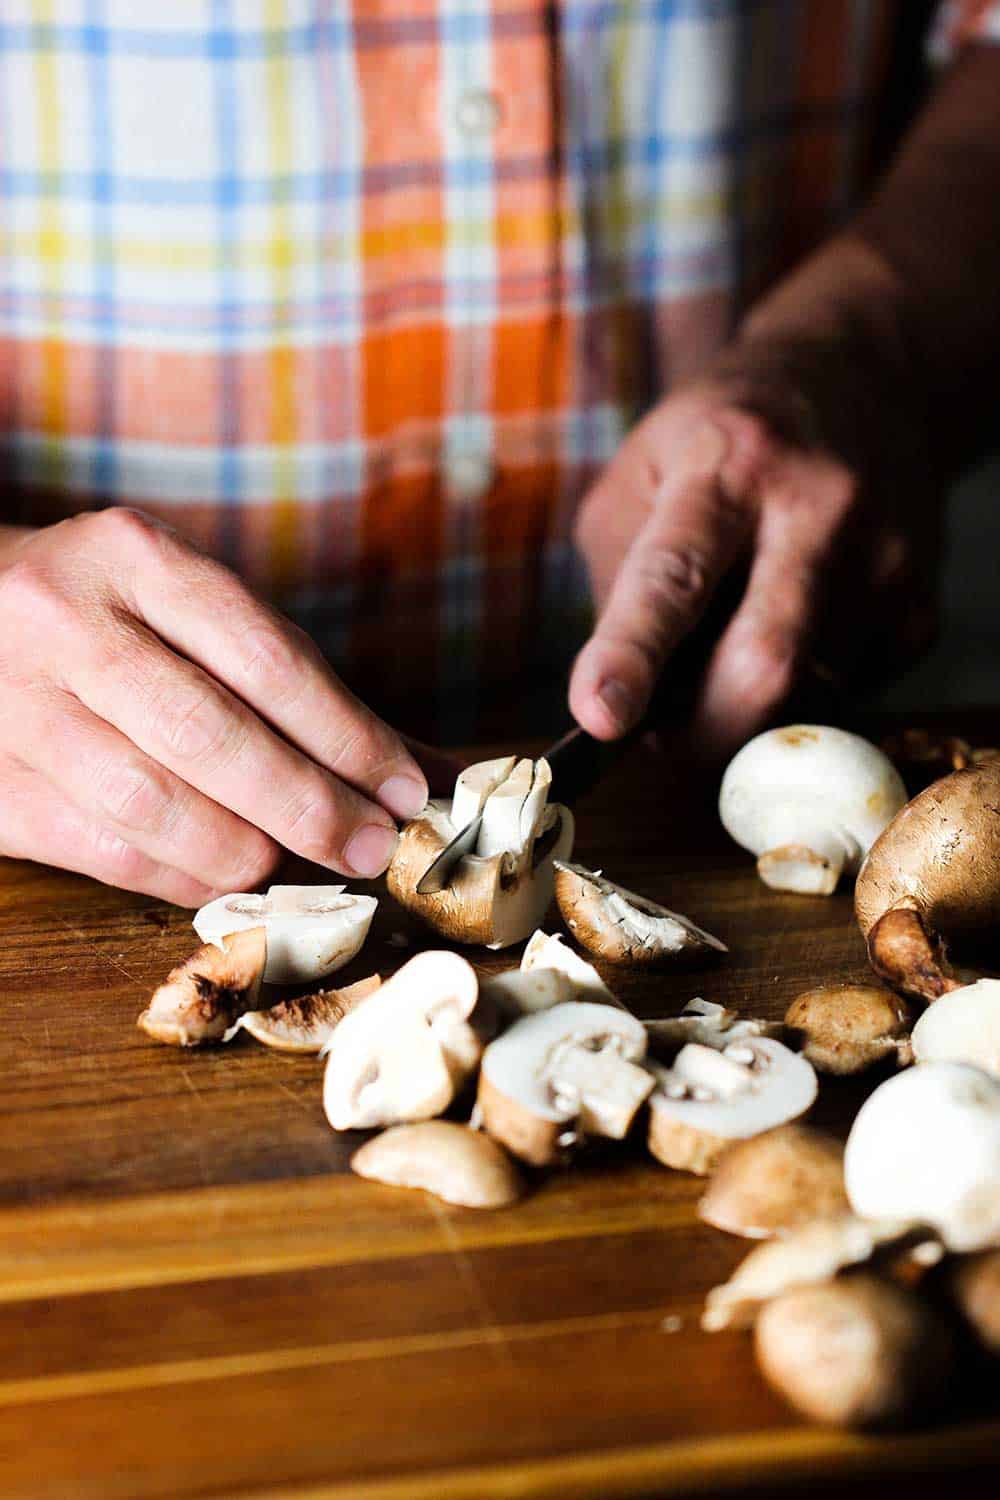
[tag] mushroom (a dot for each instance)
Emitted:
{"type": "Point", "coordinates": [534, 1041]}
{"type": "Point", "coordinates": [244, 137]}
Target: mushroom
{"type": "Point", "coordinates": [499, 893]}
{"type": "Point", "coordinates": [550, 974]}
{"type": "Point", "coordinates": [962, 1026]}
{"type": "Point", "coordinates": [200, 999]}
{"type": "Point", "coordinates": [813, 1253]}
{"type": "Point", "coordinates": [451, 1161]}
{"type": "Point", "coordinates": [933, 876]}
{"type": "Point", "coordinates": [311, 929]}
{"type": "Point", "coordinates": [563, 1073]}
{"type": "Point", "coordinates": [861, 1351]}
{"type": "Point", "coordinates": [706, 1022]}
{"type": "Point", "coordinates": [617, 925]}
{"type": "Point", "coordinates": [711, 1098]}
{"type": "Point", "coordinates": [972, 1284]}
{"type": "Point", "coordinates": [809, 801]}
{"type": "Point", "coordinates": [847, 1028]}
{"type": "Point", "coordinates": [926, 1146]}
{"type": "Point", "coordinates": [403, 1054]}
{"type": "Point", "coordinates": [306, 1023]}
{"type": "Point", "coordinates": [775, 1182]}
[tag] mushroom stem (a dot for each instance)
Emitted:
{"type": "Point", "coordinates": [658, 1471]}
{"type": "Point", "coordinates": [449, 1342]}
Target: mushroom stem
{"type": "Point", "coordinates": [809, 863]}
{"type": "Point", "coordinates": [902, 951]}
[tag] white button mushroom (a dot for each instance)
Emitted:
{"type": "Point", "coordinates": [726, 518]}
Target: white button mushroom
{"type": "Point", "coordinates": [312, 930]}
{"type": "Point", "coordinates": [963, 1026]}
{"type": "Point", "coordinates": [809, 801]}
{"type": "Point", "coordinates": [925, 1147]}
{"type": "Point", "coordinates": [550, 973]}
{"type": "Point", "coordinates": [498, 894]}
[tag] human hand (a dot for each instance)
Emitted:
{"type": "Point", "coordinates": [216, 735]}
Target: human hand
{"type": "Point", "coordinates": [792, 459]}
{"type": "Point", "coordinates": [164, 730]}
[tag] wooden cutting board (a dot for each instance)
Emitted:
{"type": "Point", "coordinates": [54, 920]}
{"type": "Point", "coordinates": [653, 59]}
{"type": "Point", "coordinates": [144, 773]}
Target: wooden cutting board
{"type": "Point", "coordinates": [197, 1297]}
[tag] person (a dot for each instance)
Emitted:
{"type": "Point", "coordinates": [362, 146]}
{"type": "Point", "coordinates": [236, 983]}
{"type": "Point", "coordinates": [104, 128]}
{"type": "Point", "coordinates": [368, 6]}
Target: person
{"type": "Point", "coordinates": [342, 334]}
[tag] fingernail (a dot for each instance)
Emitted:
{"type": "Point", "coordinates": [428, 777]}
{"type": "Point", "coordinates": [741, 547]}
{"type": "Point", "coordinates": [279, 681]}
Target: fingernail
{"type": "Point", "coordinates": [403, 796]}
{"type": "Point", "coordinates": [371, 849]}
{"type": "Point", "coordinates": [707, 451]}
{"type": "Point", "coordinates": [618, 702]}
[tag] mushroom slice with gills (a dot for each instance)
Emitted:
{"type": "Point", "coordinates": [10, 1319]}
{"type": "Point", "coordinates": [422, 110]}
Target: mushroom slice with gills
{"type": "Point", "coordinates": [809, 801]}
{"type": "Point", "coordinates": [933, 877]}
{"type": "Point", "coordinates": [815, 1252]}
{"type": "Point", "coordinates": [926, 1146]}
{"type": "Point", "coordinates": [451, 1161]}
{"type": "Point", "coordinates": [563, 1073]}
{"type": "Point", "coordinates": [622, 927]}
{"type": "Point", "coordinates": [707, 1023]}
{"type": "Point", "coordinates": [404, 1052]}
{"type": "Point", "coordinates": [861, 1351]}
{"type": "Point", "coordinates": [709, 1099]}
{"type": "Point", "coordinates": [846, 1028]}
{"type": "Point", "coordinates": [497, 895]}
{"type": "Point", "coordinates": [306, 1023]}
{"type": "Point", "coordinates": [312, 930]}
{"type": "Point", "coordinates": [201, 998]}
{"type": "Point", "coordinates": [962, 1026]}
{"type": "Point", "coordinates": [775, 1182]}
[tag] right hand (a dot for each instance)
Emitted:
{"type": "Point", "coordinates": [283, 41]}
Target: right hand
{"type": "Point", "coordinates": [164, 730]}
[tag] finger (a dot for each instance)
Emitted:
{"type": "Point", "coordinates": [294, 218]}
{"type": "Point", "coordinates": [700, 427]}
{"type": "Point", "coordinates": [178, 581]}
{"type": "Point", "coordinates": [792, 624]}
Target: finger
{"type": "Point", "coordinates": [211, 617]}
{"type": "Point", "coordinates": [113, 782]}
{"type": "Point", "coordinates": [188, 722]}
{"type": "Point", "coordinates": [38, 822]}
{"type": "Point", "coordinates": [695, 532]}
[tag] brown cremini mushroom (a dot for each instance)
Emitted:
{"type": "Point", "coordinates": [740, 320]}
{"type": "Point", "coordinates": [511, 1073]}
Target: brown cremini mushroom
{"type": "Point", "coordinates": [846, 1028]}
{"type": "Point", "coordinates": [622, 927]}
{"type": "Point", "coordinates": [775, 1182]}
{"type": "Point", "coordinates": [304, 1024]}
{"type": "Point", "coordinates": [451, 1161]}
{"type": "Point", "coordinates": [202, 997]}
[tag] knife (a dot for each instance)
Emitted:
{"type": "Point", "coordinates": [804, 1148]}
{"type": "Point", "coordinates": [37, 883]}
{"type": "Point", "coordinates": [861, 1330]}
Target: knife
{"type": "Point", "coordinates": [577, 761]}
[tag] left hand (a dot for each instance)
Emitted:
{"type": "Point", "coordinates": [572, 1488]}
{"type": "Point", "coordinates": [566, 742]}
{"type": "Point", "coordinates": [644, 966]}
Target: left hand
{"type": "Point", "coordinates": [786, 459]}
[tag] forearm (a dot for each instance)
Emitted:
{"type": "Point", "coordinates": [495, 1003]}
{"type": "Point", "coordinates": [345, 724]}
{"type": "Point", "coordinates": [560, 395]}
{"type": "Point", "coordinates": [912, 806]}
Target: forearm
{"type": "Point", "coordinates": [912, 286]}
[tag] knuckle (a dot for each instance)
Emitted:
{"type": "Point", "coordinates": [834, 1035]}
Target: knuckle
{"type": "Point", "coordinates": [190, 726]}
{"type": "Point", "coordinates": [672, 578]}
{"type": "Point", "coordinates": [255, 861]}
{"type": "Point", "coordinates": [119, 860]}
{"type": "Point", "coordinates": [124, 529]}
{"type": "Point", "coordinates": [127, 794]}
{"type": "Point", "coordinates": [272, 662]}
{"type": "Point", "coordinates": [28, 593]}
{"type": "Point", "coordinates": [310, 817]}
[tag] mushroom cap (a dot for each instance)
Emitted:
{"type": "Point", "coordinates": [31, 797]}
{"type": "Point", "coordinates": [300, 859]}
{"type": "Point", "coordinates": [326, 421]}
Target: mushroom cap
{"type": "Point", "coordinates": [809, 775]}
{"type": "Point", "coordinates": [311, 930]}
{"type": "Point", "coordinates": [848, 1027]}
{"type": "Point", "coordinates": [776, 1181]}
{"type": "Point", "coordinates": [940, 856]}
{"type": "Point", "coordinates": [925, 1147]}
{"type": "Point", "coordinates": [621, 926]}
{"type": "Point", "coordinates": [962, 1026]}
{"type": "Point", "coordinates": [451, 1161]}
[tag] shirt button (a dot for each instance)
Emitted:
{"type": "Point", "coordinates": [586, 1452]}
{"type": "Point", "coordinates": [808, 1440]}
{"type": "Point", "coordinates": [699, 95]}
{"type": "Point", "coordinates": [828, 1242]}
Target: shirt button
{"type": "Point", "coordinates": [468, 476]}
{"type": "Point", "coordinates": [478, 112]}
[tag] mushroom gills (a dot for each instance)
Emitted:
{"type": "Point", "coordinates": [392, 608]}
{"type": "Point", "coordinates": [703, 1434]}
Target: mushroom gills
{"type": "Point", "coordinates": [201, 998]}
{"type": "Point", "coordinates": [311, 930]}
{"type": "Point", "coordinates": [709, 1099]}
{"type": "Point", "coordinates": [451, 1161]}
{"type": "Point", "coordinates": [621, 926]}
{"type": "Point", "coordinates": [306, 1023]}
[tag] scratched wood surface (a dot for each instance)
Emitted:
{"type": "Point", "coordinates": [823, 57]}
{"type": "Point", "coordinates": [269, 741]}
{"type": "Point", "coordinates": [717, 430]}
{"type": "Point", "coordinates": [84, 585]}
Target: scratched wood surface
{"type": "Point", "coordinates": [197, 1298]}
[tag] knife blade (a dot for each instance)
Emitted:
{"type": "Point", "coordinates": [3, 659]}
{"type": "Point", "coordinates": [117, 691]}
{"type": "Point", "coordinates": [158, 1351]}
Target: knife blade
{"type": "Point", "coordinates": [577, 761]}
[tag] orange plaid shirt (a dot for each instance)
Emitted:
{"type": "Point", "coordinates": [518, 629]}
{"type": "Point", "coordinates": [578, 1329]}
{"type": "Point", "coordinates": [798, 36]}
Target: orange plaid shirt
{"type": "Point", "coordinates": [361, 297]}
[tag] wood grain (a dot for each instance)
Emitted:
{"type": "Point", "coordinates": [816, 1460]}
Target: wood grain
{"type": "Point", "coordinates": [197, 1298]}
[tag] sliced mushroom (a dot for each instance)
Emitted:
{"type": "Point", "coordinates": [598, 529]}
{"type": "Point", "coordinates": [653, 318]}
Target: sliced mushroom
{"type": "Point", "coordinates": [846, 1028]}
{"type": "Point", "coordinates": [403, 1054]}
{"type": "Point", "coordinates": [973, 1287]}
{"type": "Point", "coordinates": [451, 1161]}
{"type": "Point", "coordinates": [499, 894]}
{"type": "Point", "coordinates": [861, 1351]}
{"type": "Point", "coordinates": [617, 925]}
{"type": "Point", "coordinates": [560, 1074]}
{"type": "Point", "coordinates": [200, 999]}
{"type": "Point", "coordinates": [312, 930]}
{"type": "Point", "coordinates": [550, 974]}
{"type": "Point", "coordinates": [963, 1026]}
{"type": "Point", "coordinates": [776, 1182]}
{"type": "Point", "coordinates": [707, 1023]}
{"type": "Point", "coordinates": [933, 876]}
{"type": "Point", "coordinates": [306, 1023]}
{"type": "Point", "coordinates": [926, 1146]}
{"type": "Point", "coordinates": [814, 1253]}
{"type": "Point", "coordinates": [709, 1099]}
{"type": "Point", "coordinates": [809, 801]}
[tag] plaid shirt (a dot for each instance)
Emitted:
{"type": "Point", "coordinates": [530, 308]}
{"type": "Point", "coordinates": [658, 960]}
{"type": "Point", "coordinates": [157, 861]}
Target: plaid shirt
{"type": "Point", "coordinates": [361, 297]}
